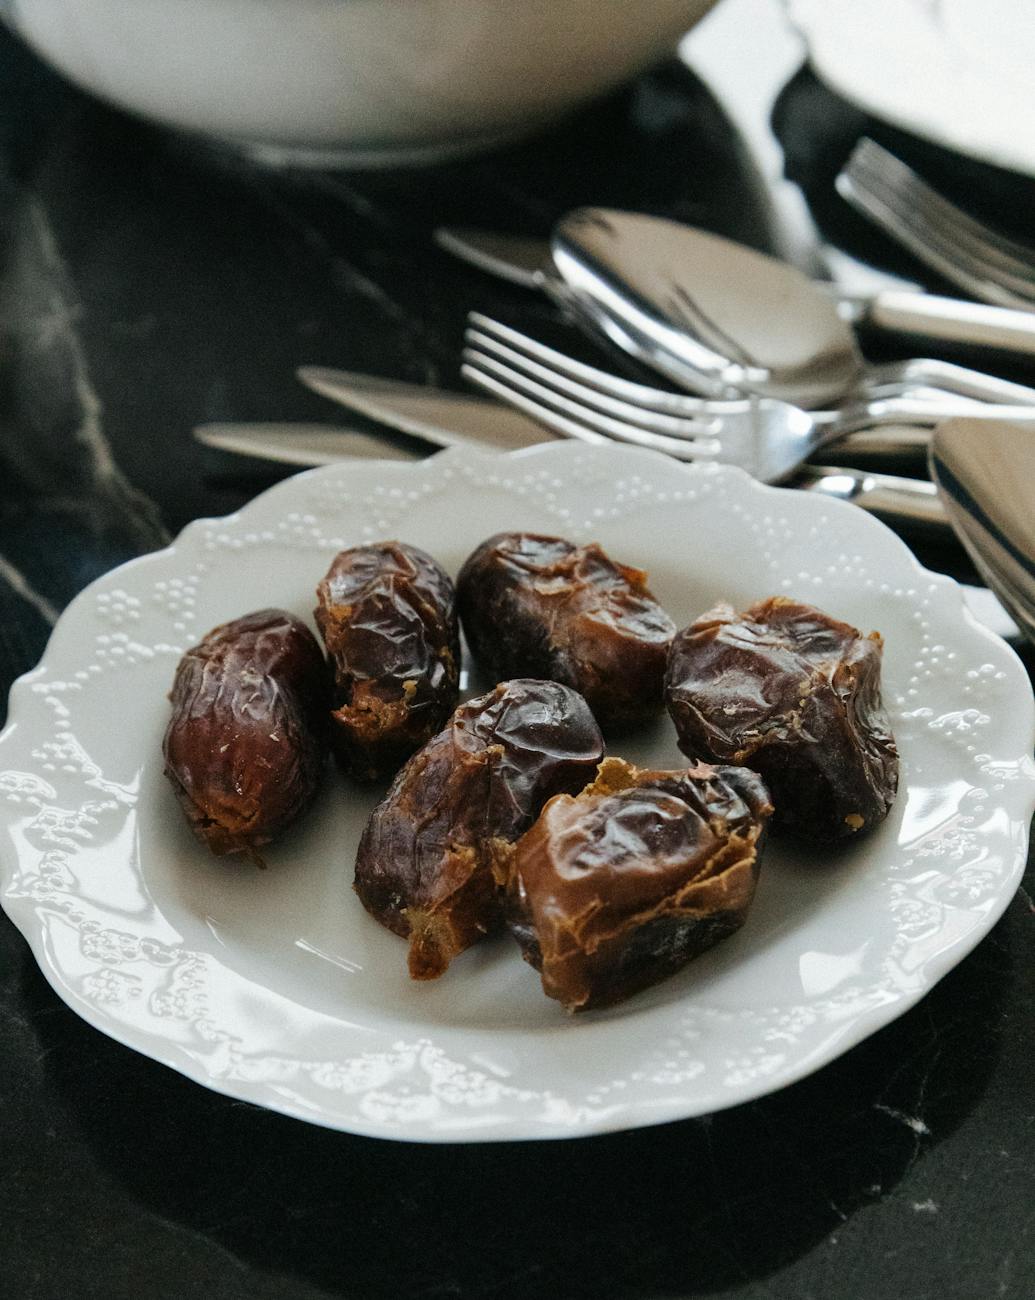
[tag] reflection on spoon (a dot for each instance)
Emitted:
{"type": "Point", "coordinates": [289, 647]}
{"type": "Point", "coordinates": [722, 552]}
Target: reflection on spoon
{"type": "Point", "coordinates": [714, 315]}
{"type": "Point", "coordinates": [985, 472]}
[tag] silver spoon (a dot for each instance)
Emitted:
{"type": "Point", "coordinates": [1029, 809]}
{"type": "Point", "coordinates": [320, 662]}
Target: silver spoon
{"type": "Point", "coordinates": [985, 474]}
{"type": "Point", "coordinates": [714, 315]}
{"type": "Point", "coordinates": [526, 261]}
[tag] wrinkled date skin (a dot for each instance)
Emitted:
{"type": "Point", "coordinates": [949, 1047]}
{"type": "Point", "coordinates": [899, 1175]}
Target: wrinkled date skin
{"type": "Point", "coordinates": [543, 607]}
{"type": "Point", "coordinates": [787, 690]}
{"type": "Point", "coordinates": [247, 740]}
{"type": "Point", "coordinates": [427, 862]}
{"type": "Point", "coordinates": [619, 887]}
{"type": "Point", "coordinates": [387, 613]}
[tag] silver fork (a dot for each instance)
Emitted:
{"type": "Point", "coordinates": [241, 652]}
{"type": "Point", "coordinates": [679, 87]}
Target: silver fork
{"type": "Point", "coordinates": [987, 265]}
{"type": "Point", "coordinates": [767, 438]}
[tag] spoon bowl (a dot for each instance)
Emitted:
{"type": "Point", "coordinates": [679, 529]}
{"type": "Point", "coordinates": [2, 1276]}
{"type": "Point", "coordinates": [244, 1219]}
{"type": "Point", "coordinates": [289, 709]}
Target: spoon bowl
{"type": "Point", "coordinates": [718, 318]}
{"type": "Point", "coordinates": [715, 314]}
{"type": "Point", "coordinates": [984, 470]}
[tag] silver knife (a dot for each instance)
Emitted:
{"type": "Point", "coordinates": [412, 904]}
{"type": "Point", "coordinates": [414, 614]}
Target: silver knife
{"type": "Point", "coordinates": [526, 261]}
{"type": "Point", "coordinates": [443, 418]}
{"type": "Point", "coordinates": [300, 444]}
{"type": "Point", "coordinates": [446, 419]}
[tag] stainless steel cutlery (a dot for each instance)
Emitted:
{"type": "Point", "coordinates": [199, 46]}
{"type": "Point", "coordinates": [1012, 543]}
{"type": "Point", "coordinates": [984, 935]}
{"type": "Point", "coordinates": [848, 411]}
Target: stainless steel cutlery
{"type": "Point", "coordinates": [444, 419]}
{"type": "Point", "coordinates": [767, 438]}
{"type": "Point", "coordinates": [714, 316]}
{"type": "Point", "coordinates": [984, 263]}
{"type": "Point", "coordinates": [756, 336]}
{"type": "Point", "coordinates": [984, 474]}
{"type": "Point", "coordinates": [528, 262]}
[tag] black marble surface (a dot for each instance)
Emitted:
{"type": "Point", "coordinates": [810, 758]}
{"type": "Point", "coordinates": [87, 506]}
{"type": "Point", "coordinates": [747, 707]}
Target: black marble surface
{"type": "Point", "coordinates": [146, 285]}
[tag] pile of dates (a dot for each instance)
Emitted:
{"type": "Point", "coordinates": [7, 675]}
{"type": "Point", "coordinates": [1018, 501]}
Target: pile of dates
{"type": "Point", "coordinates": [503, 811]}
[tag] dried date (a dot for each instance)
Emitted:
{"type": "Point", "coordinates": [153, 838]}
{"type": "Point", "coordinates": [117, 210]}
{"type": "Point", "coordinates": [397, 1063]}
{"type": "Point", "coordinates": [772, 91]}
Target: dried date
{"type": "Point", "coordinates": [542, 607]}
{"type": "Point", "coordinates": [247, 739]}
{"type": "Point", "coordinates": [427, 861]}
{"type": "Point", "coordinates": [793, 693]}
{"type": "Point", "coordinates": [615, 889]}
{"type": "Point", "coordinates": [387, 613]}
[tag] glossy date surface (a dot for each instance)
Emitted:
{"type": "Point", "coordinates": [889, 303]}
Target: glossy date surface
{"type": "Point", "coordinates": [426, 865]}
{"type": "Point", "coordinates": [247, 740]}
{"type": "Point", "coordinates": [387, 613]}
{"type": "Point", "coordinates": [795, 694]}
{"type": "Point", "coordinates": [541, 606]}
{"type": "Point", "coordinates": [619, 887]}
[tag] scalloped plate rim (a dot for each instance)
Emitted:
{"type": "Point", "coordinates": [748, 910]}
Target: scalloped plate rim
{"type": "Point", "coordinates": [620, 1116]}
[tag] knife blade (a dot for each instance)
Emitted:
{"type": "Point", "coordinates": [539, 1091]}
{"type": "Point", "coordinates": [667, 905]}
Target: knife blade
{"type": "Point", "coordinates": [526, 261]}
{"type": "Point", "coordinates": [445, 419]}
{"type": "Point", "coordinates": [300, 444]}
{"type": "Point", "coordinates": [521, 259]}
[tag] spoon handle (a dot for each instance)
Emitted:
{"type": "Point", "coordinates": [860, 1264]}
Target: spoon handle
{"type": "Point", "coordinates": [954, 320]}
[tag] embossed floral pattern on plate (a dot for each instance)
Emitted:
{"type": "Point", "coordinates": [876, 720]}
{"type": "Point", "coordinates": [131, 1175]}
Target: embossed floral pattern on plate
{"type": "Point", "coordinates": [275, 987]}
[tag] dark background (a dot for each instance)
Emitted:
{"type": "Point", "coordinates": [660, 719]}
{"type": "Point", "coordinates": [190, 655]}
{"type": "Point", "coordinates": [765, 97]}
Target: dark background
{"type": "Point", "coordinates": [148, 284]}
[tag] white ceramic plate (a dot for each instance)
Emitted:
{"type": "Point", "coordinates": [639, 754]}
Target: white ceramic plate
{"type": "Point", "coordinates": [276, 987]}
{"type": "Point", "coordinates": [957, 72]}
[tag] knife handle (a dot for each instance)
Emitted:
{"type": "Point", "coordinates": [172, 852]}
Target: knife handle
{"type": "Point", "coordinates": [907, 503]}
{"type": "Point", "coordinates": [954, 320]}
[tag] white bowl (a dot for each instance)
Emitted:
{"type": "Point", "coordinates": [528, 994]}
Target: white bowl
{"type": "Point", "coordinates": [363, 81]}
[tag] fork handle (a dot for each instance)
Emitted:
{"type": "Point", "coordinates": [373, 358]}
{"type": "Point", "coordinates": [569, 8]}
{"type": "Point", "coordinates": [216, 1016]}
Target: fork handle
{"type": "Point", "coordinates": [954, 320]}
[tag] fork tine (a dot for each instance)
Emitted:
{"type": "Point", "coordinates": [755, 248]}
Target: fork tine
{"type": "Point", "coordinates": [641, 395]}
{"type": "Point", "coordinates": [951, 229]}
{"type": "Point", "coordinates": [673, 426]}
{"type": "Point", "coordinates": [564, 415]}
{"type": "Point", "coordinates": [646, 398]}
{"type": "Point", "coordinates": [900, 177]}
{"type": "Point", "coordinates": [1000, 266]}
{"type": "Point", "coordinates": [940, 255]}
{"type": "Point", "coordinates": [873, 174]}
{"type": "Point", "coordinates": [943, 250]}
{"type": "Point", "coordinates": [547, 417]}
